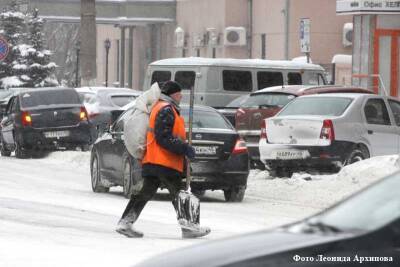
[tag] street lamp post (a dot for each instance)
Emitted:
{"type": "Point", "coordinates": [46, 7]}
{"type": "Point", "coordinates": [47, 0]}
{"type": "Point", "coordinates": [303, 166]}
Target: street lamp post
{"type": "Point", "coordinates": [107, 46]}
{"type": "Point", "coordinates": [77, 48]}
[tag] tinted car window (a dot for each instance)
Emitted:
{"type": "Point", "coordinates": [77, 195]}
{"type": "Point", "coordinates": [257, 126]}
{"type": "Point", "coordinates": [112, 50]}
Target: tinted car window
{"type": "Point", "coordinates": [267, 79]}
{"type": "Point", "coordinates": [160, 76]}
{"type": "Point", "coordinates": [185, 78]}
{"type": "Point", "coordinates": [379, 205]}
{"type": "Point", "coordinates": [395, 107]}
{"type": "Point", "coordinates": [50, 97]}
{"type": "Point", "coordinates": [206, 119]}
{"type": "Point", "coordinates": [294, 78]}
{"type": "Point", "coordinates": [376, 112]}
{"type": "Point", "coordinates": [122, 100]}
{"type": "Point", "coordinates": [235, 80]}
{"type": "Point", "coordinates": [325, 106]}
{"type": "Point", "coordinates": [267, 100]}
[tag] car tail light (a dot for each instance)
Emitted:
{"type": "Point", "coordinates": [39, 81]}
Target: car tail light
{"type": "Point", "coordinates": [327, 131]}
{"type": "Point", "coordinates": [263, 133]}
{"type": "Point", "coordinates": [240, 147]}
{"type": "Point", "coordinates": [26, 119]}
{"type": "Point", "coordinates": [83, 114]}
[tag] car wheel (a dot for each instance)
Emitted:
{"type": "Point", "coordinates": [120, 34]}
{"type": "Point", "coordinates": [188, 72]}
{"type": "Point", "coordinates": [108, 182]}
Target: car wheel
{"type": "Point", "coordinates": [96, 176]}
{"type": "Point", "coordinates": [3, 150]}
{"type": "Point", "coordinates": [235, 194]}
{"type": "Point", "coordinates": [356, 155]}
{"type": "Point", "coordinates": [127, 177]}
{"type": "Point", "coordinates": [137, 179]}
{"type": "Point", "coordinates": [20, 152]}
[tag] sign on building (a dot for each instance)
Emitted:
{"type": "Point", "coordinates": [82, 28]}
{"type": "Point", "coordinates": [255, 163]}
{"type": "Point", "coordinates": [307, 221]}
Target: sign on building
{"type": "Point", "coordinates": [368, 6]}
{"type": "Point", "coordinates": [305, 24]}
{"type": "Point", "coordinates": [4, 48]}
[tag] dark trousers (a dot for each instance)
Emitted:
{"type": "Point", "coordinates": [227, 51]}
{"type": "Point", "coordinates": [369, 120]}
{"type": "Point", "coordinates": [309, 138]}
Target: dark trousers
{"type": "Point", "coordinates": [149, 189]}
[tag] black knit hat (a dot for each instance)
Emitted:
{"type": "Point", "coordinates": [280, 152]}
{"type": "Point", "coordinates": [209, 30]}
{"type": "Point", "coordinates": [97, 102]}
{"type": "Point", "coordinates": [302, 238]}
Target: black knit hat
{"type": "Point", "coordinates": [170, 87]}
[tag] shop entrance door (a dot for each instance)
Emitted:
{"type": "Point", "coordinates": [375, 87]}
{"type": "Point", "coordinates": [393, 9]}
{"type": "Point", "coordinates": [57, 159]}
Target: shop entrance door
{"type": "Point", "coordinates": [386, 60]}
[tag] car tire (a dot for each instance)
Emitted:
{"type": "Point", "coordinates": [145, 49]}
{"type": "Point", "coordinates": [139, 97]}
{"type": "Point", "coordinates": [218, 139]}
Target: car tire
{"type": "Point", "coordinates": [96, 176]}
{"type": "Point", "coordinates": [235, 194]}
{"type": "Point", "coordinates": [127, 177]}
{"type": "Point", "coordinates": [137, 179]}
{"type": "Point", "coordinates": [3, 150]}
{"type": "Point", "coordinates": [356, 155]}
{"type": "Point", "coordinates": [20, 152]}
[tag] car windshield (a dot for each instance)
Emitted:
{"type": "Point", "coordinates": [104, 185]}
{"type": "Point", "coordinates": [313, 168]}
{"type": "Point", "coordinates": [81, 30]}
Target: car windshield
{"type": "Point", "coordinates": [267, 100]}
{"type": "Point", "coordinates": [324, 106]}
{"type": "Point", "coordinates": [122, 100]}
{"type": "Point", "coordinates": [206, 119]}
{"type": "Point", "coordinates": [49, 97]}
{"type": "Point", "coordinates": [238, 102]}
{"type": "Point", "coordinates": [87, 97]}
{"type": "Point", "coordinates": [369, 210]}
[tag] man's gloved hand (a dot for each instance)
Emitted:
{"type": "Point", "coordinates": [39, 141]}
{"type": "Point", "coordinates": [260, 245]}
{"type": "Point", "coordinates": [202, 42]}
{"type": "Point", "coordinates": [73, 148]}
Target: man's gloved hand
{"type": "Point", "coordinates": [190, 152]}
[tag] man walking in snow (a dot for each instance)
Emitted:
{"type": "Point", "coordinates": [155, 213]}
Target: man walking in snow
{"type": "Point", "coordinates": [163, 161]}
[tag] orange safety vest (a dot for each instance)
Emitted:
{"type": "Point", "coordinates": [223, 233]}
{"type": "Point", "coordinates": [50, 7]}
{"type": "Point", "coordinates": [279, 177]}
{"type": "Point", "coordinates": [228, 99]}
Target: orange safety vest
{"type": "Point", "coordinates": [155, 154]}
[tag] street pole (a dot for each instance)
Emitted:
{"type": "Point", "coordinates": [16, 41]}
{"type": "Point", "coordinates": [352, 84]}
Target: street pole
{"type": "Point", "coordinates": [77, 47]}
{"type": "Point", "coordinates": [107, 46]}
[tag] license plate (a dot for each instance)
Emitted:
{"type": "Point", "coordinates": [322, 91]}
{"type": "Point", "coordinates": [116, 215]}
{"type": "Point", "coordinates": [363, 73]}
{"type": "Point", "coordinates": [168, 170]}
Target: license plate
{"type": "Point", "coordinates": [56, 134]}
{"type": "Point", "coordinates": [290, 154]}
{"type": "Point", "coordinates": [205, 150]}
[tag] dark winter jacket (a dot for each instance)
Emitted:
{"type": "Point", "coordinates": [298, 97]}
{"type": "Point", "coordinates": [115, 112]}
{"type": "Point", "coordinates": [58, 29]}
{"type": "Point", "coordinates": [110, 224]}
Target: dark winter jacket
{"type": "Point", "coordinates": [163, 132]}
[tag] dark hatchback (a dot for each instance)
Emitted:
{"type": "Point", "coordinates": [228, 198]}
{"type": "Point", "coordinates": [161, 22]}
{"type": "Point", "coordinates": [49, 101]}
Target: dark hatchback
{"type": "Point", "coordinates": [221, 161]}
{"type": "Point", "coordinates": [44, 119]}
{"type": "Point", "coordinates": [363, 230]}
{"type": "Point", "coordinates": [267, 102]}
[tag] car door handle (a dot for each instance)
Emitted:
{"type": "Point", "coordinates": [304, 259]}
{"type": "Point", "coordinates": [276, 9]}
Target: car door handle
{"type": "Point", "coordinates": [370, 132]}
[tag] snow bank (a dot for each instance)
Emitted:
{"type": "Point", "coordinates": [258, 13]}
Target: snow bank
{"type": "Point", "coordinates": [321, 191]}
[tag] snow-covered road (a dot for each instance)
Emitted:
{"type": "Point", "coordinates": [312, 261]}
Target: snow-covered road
{"type": "Point", "coordinates": [49, 215]}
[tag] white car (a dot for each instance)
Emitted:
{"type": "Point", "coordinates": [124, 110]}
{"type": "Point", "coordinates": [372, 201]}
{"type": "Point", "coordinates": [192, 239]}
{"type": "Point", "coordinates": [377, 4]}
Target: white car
{"type": "Point", "coordinates": [100, 101]}
{"type": "Point", "coordinates": [325, 132]}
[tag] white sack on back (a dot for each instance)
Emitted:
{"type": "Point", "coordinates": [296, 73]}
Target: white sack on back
{"type": "Point", "coordinates": [135, 128]}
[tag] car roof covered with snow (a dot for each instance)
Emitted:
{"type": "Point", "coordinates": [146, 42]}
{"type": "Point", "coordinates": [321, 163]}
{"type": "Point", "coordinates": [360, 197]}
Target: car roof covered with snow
{"type": "Point", "coordinates": [312, 89]}
{"type": "Point", "coordinates": [226, 62]}
{"type": "Point", "coordinates": [100, 90]}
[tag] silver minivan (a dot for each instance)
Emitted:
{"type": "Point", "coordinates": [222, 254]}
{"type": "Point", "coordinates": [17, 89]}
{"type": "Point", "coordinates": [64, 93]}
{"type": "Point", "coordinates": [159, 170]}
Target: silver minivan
{"type": "Point", "coordinates": [325, 132]}
{"type": "Point", "coordinates": [218, 81]}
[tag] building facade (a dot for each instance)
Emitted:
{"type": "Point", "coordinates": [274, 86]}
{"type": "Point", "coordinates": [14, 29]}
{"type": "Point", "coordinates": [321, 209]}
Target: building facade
{"type": "Point", "coordinates": [376, 46]}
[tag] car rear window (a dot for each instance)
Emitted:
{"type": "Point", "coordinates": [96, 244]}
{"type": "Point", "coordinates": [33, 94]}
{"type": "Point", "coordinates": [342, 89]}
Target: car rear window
{"type": "Point", "coordinates": [267, 100]}
{"type": "Point", "coordinates": [122, 100]}
{"type": "Point", "coordinates": [325, 106]}
{"type": "Point", "coordinates": [49, 97]}
{"type": "Point", "coordinates": [206, 119]}
{"type": "Point", "coordinates": [86, 97]}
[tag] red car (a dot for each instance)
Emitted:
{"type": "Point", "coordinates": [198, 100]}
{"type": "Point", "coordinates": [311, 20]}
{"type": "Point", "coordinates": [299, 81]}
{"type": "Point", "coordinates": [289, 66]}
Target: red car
{"type": "Point", "coordinates": [266, 103]}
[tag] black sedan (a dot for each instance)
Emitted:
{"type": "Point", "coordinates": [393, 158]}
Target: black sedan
{"type": "Point", "coordinates": [363, 230]}
{"type": "Point", "coordinates": [44, 119]}
{"type": "Point", "coordinates": [221, 161]}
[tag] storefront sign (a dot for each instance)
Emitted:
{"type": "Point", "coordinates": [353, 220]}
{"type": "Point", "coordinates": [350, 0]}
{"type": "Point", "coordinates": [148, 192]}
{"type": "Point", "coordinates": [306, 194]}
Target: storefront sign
{"type": "Point", "coordinates": [368, 6]}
